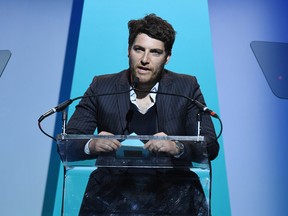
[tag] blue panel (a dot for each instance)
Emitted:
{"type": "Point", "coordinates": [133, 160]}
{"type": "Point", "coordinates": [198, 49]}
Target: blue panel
{"type": "Point", "coordinates": [53, 191]}
{"type": "Point", "coordinates": [272, 58]}
{"type": "Point", "coordinates": [256, 121]}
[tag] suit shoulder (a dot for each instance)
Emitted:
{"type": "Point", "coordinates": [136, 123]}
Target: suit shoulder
{"type": "Point", "coordinates": [111, 76]}
{"type": "Point", "coordinates": [108, 82]}
{"type": "Point", "coordinates": [180, 77]}
{"type": "Point", "coordinates": [108, 79]}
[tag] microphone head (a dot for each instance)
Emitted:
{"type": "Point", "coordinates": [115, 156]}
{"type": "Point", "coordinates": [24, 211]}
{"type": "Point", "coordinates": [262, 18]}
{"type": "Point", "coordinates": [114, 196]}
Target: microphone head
{"type": "Point", "coordinates": [135, 83]}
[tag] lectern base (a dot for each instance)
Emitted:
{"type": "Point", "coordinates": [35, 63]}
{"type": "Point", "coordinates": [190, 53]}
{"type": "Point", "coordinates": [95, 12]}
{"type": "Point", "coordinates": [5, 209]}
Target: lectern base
{"type": "Point", "coordinates": [133, 191]}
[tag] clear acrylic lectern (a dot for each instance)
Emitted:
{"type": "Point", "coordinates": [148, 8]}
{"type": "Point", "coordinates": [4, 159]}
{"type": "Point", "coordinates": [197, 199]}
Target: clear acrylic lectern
{"type": "Point", "coordinates": [141, 183]}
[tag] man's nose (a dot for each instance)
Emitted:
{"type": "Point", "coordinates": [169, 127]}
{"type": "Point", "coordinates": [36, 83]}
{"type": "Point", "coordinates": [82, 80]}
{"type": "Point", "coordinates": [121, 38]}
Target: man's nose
{"type": "Point", "coordinates": [145, 59]}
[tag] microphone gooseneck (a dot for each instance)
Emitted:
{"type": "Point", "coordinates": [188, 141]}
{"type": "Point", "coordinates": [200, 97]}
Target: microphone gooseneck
{"type": "Point", "coordinates": [62, 106]}
{"type": "Point", "coordinates": [58, 108]}
{"type": "Point", "coordinates": [66, 103]}
{"type": "Point", "coordinates": [200, 106]}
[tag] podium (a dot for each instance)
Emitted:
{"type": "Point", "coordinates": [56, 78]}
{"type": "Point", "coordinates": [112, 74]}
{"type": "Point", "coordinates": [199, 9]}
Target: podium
{"type": "Point", "coordinates": [132, 180]}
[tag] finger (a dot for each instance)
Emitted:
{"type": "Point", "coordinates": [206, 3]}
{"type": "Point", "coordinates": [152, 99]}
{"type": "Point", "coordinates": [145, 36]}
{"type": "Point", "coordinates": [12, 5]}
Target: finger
{"type": "Point", "coordinates": [148, 144]}
{"type": "Point", "coordinates": [154, 147]}
{"type": "Point", "coordinates": [106, 147]}
{"type": "Point", "coordinates": [105, 133]}
{"type": "Point", "coordinates": [116, 144]}
{"type": "Point", "coordinates": [160, 134]}
{"type": "Point", "coordinates": [157, 148]}
{"type": "Point", "coordinates": [162, 146]}
{"type": "Point", "coordinates": [113, 144]}
{"type": "Point", "coordinates": [162, 149]}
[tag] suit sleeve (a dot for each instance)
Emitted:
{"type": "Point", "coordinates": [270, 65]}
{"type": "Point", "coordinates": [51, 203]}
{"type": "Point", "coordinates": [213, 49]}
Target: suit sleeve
{"type": "Point", "coordinates": [83, 121]}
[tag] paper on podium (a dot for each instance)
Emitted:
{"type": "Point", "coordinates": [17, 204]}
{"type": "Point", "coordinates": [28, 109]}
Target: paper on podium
{"type": "Point", "coordinates": [132, 148]}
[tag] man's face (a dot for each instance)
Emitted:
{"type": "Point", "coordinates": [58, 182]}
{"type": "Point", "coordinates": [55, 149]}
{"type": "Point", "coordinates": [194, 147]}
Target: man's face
{"type": "Point", "coordinates": [147, 58]}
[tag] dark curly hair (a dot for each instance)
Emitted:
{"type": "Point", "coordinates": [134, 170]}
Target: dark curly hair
{"type": "Point", "coordinates": [155, 27]}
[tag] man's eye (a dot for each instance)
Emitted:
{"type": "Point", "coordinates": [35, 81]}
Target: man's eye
{"type": "Point", "coordinates": [156, 53]}
{"type": "Point", "coordinates": [138, 49]}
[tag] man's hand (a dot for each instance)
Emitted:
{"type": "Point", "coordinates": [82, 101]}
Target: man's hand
{"type": "Point", "coordinates": [167, 146]}
{"type": "Point", "coordinates": [103, 145]}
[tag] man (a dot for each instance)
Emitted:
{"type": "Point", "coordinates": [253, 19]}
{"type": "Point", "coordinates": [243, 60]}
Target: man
{"type": "Point", "coordinates": [150, 47]}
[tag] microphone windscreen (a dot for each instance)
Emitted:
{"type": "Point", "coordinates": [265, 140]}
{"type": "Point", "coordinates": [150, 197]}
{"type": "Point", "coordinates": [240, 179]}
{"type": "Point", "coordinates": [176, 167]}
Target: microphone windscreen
{"type": "Point", "coordinates": [135, 82]}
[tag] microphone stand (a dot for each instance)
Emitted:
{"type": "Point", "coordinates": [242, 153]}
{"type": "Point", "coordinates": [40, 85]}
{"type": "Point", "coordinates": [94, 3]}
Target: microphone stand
{"type": "Point", "coordinates": [199, 119]}
{"type": "Point", "coordinates": [64, 121]}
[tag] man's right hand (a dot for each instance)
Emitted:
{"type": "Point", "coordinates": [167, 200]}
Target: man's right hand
{"type": "Point", "coordinates": [97, 146]}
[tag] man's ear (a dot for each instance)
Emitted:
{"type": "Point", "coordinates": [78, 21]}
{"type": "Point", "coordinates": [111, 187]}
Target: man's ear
{"type": "Point", "coordinates": [167, 59]}
{"type": "Point", "coordinates": [128, 52]}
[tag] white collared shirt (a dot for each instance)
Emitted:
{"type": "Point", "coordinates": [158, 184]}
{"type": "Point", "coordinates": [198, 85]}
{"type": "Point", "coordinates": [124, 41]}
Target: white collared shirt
{"type": "Point", "coordinates": [151, 95]}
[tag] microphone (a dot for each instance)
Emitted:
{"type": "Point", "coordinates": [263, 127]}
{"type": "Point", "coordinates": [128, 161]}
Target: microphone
{"type": "Point", "coordinates": [128, 118]}
{"type": "Point", "coordinates": [135, 83]}
{"type": "Point", "coordinates": [66, 103]}
{"type": "Point", "coordinates": [200, 106]}
{"type": "Point", "coordinates": [205, 109]}
{"type": "Point", "coordinates": [58, 108]}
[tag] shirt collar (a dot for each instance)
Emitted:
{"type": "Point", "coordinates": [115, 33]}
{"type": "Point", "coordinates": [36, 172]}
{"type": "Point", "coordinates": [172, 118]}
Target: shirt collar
{"type": "Point", "coordinates": [152, 95]}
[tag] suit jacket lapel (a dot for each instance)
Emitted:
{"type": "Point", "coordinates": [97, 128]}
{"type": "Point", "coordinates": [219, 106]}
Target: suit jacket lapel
{"type": "Point", "coordinates": [123, 100]}
{"type": "Point", "coordinates": [163, 102]}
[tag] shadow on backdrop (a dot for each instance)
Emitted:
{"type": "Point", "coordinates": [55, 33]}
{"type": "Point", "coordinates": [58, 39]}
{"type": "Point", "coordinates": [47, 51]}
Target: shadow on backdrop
{"type": "Point", "coordinates": [4, 58]}
{"type": "Point", "coordinates": [273, 60]}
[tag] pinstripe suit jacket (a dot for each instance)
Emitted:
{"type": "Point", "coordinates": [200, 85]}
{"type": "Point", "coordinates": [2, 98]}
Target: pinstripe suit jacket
{"type": "Point", "coordinates": [175, 115]}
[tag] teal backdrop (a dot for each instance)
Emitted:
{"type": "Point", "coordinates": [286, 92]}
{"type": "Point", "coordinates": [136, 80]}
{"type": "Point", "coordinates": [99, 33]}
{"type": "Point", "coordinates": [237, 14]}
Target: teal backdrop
{"type": "Point", "coordinates": [102, 49]}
